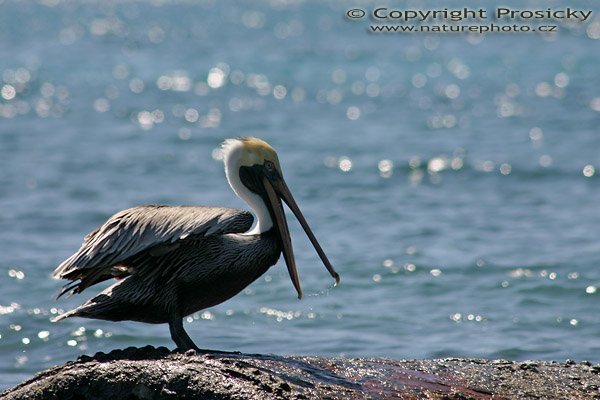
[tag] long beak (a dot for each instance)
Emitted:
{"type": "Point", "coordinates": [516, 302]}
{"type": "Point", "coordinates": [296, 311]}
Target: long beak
{"type": "Point", "coordinates": [277, 190]}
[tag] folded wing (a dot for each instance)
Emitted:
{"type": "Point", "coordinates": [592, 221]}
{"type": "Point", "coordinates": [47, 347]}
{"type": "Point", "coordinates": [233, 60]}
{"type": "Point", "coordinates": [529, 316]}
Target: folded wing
{"type": "Point", "coordinates": [131, 231]}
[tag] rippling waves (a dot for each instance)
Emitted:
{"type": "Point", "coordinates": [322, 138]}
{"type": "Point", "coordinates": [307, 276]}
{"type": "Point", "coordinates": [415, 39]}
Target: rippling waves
{"type": "Point", "coordinates": [452, 180]}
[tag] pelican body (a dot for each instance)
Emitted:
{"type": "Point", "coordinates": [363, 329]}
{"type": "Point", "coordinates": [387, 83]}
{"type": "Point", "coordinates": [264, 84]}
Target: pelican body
{"type": "Point", "coordinates": [170, 262]}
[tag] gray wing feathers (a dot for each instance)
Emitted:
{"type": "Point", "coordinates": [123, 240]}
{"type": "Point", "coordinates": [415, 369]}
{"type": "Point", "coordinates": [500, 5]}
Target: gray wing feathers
{"type": "Point", "coordinates": [136, 229]}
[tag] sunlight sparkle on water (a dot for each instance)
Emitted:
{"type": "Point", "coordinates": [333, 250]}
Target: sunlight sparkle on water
{"type": "Point", "coordinates": [121, 71]}
{"type": "Point", "coordinates": [145, 120]}
{"type": "Point", "coordinates": [280, 315]}
{"type": "Point", "coordinates": [419, 80]}
{"type": "Point", "coordinates": [459, 69]}
{"type": "Point", "coordinates": [177, 81]}
{"type": "Point", "coordinates": [545, 160]}
{"type": "Point", "coordinates": [260, 83]}
{"type": "Point", "coordinates": [536, 134]}
{"type": "Point", "coordinates": [458, 317]}
{"type": "Point", "coordinates": [181, 82]}
{"type": "Point", "coordinates": [279, 92]}
{"type": "Point", "coordinates": [591, 289]}
{"type": "Point", "coordinates": [217, 154]}
{"type": "Point", "coordinates": [521, 273]}
{"type": "Point", "coordinates": [6, 310]}
{"type": "Point", "coordinates": [373, 90]}
{"type": "Point", "coordinates": [216, 78]}
{"type": "Point", "coordinates": [253, 19]}
{"type": "Point", "coordinates": [8, 92]}
{"type": "Point", "coordinates": [210, 120]}
{"type": "Point", "coordinates": [13, 273]}
{"type": "Point", "coordinates": [9, 309]}
{"type": "Point", "coordinates": [136, 85]}
{"type": "Point", "coordinates": [593, 30]}
{"type": "Point", "coordinates": [452, 91]}
{"type": "Point", "coordinates": [345, 164]}
{"type": "Point", "coordinates": [561, 80]}
{"type": "Point", "coordinates": [353, 113]}
{"type": "Point", "coordinates": [358, 88]}
{"type": "Point", "coordinates": [385, 168]}
{"type": "Point", "coordinates": [184, 133]}
{"type": "Point", "coordinates": [101, 105]}
{"type": "Point", "coordinates": [191, 115]}
{"type": "Point", "coordinates": [505, 169]}
{"type": "Point", "coordinates": [43, 334]}
{"type": "Point", "coordinates": [21, 360]}
{"type": "Point", "coordinates": [543, 89]}
{"type": "Point", "coordinates": [437, 164]}
{"type": "Point", "coordinates": [79, 331]}
{"type": "Point", "coordinates": [410, 267]}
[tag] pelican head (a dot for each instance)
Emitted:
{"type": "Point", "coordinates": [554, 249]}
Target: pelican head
{"type": "Point", "coordinates": [254, 173]}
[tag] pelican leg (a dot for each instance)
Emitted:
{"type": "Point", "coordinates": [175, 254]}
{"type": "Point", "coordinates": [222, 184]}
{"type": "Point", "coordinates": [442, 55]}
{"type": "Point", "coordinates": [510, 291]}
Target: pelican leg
{"type": "Point", "coordinates": [180, 336]}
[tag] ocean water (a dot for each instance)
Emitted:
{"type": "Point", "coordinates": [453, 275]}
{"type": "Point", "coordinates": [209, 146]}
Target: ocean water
{"type": "Point", "coordinates": [452, 179]}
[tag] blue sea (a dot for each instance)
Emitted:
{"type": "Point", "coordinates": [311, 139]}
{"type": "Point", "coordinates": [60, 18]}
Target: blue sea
{"type": "Point", "coordinates": [452, 179]}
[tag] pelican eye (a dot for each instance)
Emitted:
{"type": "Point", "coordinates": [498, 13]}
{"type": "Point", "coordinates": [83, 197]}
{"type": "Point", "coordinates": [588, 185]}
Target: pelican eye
{"type": "Point", "coordinates": [270, 166]}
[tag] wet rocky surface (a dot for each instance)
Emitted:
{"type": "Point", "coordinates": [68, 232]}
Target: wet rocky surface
{"type": "Point", "coordinates": [157, 373]}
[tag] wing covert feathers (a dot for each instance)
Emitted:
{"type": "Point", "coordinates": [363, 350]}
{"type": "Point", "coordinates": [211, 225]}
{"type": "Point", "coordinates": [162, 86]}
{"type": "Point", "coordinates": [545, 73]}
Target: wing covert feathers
{"type": "Point", "coordinates": [131, 231]}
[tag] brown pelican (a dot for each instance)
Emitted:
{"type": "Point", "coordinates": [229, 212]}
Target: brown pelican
{"type": "Point", "coordinates": [170, 262]}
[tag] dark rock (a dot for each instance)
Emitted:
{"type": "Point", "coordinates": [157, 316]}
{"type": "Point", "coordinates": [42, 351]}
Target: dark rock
{"type": "Point", "coordinates": [156, 373]}
{"type": "Point", "coordinates": [529, 366]}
